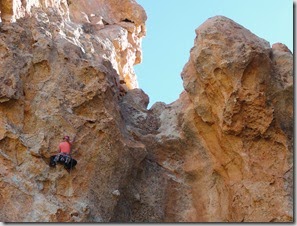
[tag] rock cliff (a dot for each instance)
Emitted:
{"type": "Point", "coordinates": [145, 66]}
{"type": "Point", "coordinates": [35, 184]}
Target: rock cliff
{"type": "Point", "coordinates": [222, 152]}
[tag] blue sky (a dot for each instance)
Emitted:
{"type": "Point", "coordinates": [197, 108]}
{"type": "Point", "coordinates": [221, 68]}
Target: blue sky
{"type": "Point", "coordinates": [170, 35]}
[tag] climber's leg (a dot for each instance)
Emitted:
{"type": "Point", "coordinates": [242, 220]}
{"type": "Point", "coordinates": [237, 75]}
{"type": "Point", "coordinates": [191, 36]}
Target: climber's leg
{"type": "Point", "coordinates": [52, 161]}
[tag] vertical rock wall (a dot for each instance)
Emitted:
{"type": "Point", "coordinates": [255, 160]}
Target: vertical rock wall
{"type": "Point", "coordinates": [234, 80]}
{"type": "Point", "coordinates": [59, 76]}
{"type": "Point", "coordinates": [223, 152]}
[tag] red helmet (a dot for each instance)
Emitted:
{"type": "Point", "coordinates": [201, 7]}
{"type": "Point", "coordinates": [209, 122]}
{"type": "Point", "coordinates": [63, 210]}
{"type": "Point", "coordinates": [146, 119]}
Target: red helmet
{"type": "Point", "coordinates": [66, 138]}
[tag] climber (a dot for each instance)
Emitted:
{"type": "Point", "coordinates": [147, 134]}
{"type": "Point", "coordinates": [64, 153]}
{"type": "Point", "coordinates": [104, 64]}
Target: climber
{"type": "Point", "coordinates": [64, 150]}
{"type": "Point", "coordinates": [64, 154]}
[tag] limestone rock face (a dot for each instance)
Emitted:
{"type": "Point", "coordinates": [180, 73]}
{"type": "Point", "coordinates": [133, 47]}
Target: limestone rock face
{"type": "Point", "coordinates": [63, 77]}
{"type": "Point", "coordinates": [222, 152]}
{"type": "Point", "coordinates": [234, 81]}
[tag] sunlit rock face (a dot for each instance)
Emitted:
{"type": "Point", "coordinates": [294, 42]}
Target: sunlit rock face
{"type": "Point", "coordinates": [118, 24]}
{"type": "Point", "coordinates": [240, 91]}
{"type": "Point", "coordinates": [62, 75]}
{"type": "Point", "coordinates": [222, 152]}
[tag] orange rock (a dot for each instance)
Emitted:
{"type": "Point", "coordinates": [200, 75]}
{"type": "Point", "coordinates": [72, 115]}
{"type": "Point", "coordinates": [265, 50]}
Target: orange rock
{"type": "Point", "coordinates": [222, 152]}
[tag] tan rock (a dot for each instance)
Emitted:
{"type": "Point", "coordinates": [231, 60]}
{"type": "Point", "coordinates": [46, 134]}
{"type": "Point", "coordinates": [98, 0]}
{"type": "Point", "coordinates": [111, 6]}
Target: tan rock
{"type": "Point", "coordinates": [228, 79]}
{"type": "Point", "coordinates": [223, 152]}
{"type": "Point", "coordinates": [57, 80]}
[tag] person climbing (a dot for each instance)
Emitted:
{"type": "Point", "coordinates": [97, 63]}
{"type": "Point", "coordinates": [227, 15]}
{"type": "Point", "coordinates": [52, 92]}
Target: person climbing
{"type": "Point", "coordinates": [64, 154]}
{"type": "Point", "coordinates": [64, 150]}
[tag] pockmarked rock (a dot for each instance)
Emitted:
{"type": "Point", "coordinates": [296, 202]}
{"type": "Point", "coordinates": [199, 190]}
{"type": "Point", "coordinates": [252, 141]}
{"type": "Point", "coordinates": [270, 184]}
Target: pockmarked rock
{"type": "Point", "coordinates": [222, 152]}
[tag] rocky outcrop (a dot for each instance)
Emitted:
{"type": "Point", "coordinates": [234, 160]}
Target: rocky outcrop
{"type": "Point", "coordinates": [223, 152]}
{"type": "Point", "coordinates": [63, 77]}
{"type": "Point", "coordinates": [231, 81]}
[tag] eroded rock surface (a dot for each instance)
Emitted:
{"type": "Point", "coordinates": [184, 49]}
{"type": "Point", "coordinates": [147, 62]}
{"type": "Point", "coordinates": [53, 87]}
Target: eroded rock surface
{"type": "Point", "coordinates": [234, 80]}
{"type": "Point", "coordinates": [222, 152]}
{"type": "Point", "coordinates": [64, 77]}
